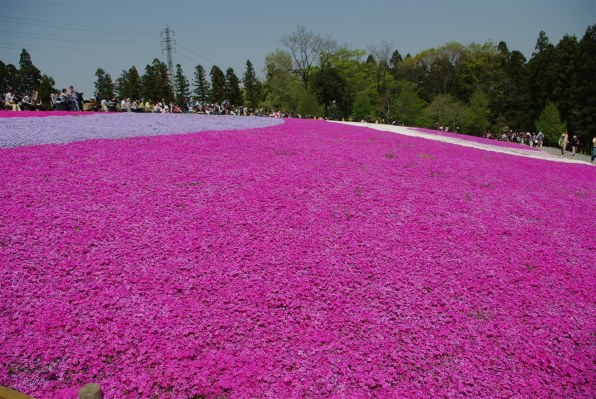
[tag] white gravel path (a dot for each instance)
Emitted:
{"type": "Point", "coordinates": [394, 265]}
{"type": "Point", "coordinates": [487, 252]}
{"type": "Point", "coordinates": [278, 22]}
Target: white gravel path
{"type": "Point", "coordinates": [545, 155]}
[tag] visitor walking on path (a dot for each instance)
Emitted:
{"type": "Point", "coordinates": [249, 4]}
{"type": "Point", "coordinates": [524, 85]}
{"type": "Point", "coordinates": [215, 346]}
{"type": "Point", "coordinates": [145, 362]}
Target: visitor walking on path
{"type": "Point", "coordinates": [563, 141]}
{"type": "Point", "coordinates": [574, 145]}
{"type": "Point", "coordinates": [593, 150]}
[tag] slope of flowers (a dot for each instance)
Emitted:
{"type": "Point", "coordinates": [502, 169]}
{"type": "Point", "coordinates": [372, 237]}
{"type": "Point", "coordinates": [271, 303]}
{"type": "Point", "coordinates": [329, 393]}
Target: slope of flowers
{"type": "Point", "coordinates": [305, 260]}
{"type": "Point", "coordinates": [29, 128]}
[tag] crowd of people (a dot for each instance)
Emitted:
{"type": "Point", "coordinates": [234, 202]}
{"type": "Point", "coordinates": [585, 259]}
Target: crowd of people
{"type": "Point", "coordinates": [193, 106]}
{"type": "Point", "coordinates": [28, 102]}
{"type": "Point", "coordinates": [72, 100]}
{"type": "Point", "coordinates": [66, 100]}
{"type": "Point", "coordinates": [532, 139]}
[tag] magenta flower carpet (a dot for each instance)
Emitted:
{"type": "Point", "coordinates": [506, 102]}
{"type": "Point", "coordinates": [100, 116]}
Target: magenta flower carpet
{"type": "Point", "coordinates": [297, 260]}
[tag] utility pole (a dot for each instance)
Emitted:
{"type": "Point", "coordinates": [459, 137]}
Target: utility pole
{"type": "Point", "coordinates": [168, 44]}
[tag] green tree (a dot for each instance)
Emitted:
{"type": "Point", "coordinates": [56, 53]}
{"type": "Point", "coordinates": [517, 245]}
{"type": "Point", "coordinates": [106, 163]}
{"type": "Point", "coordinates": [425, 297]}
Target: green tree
{"type": "Point", "coordinates": [566, 74]}
{"type": "Point", "coordinates": [104, 87]}
{"type": "Point", "coordinates": [441, 67]}
{"type": "Point", "coordinates": [394, 62]}
{"type": "Point", "coordinates": [308, 105]}
{"type": "Point", "coordinates": [9, 77]}
{"type": "Point", "coordinates": [202, 88]}
{"type": "Point", "coordinates": [583, 111]}
{"type": "Point", "coordinates": [476, 118]}
{"type": "Point", "coordinates": [550, 124]}
{"type": "Point", "coordinates": [380, 53]}
{"type": "Point", "coordinates": [329, 87]}
{"type": "Point", "coordinates": [251, 86]}
{"type": "Point", "coordinates": [29, 74]}
{"type": "Point", "coordinates": [282, 87]}
{"type": "Point", "coordinates": [181, 86]}
{"type": "Point", "coordinates": [446, 111]}
{"type": "Point", "coordinates": [218, 82]}
{"type": "Point", "coordinates": [355, 73]}
{"type": "Point", "coordinates": [363, 108]}
{"type": "Point", "coordinates": [232, 87]}
{"type": "Point", "coordinates": [408, 106]}
{"type": "Point", "coordinates": [541, 74]}
{"type": "Point", "coordinates": [411, 70]}
{"type": "Point", "coordinates": [46, 88]}
{"type": "Point", "coordinates": [516, 101]}
{"type": "Point", "coordinates": [129, 84]}
{"type": "Point", "coordinates": [156, 82]}
{"type": "Point", "coordinates": [386, 99]}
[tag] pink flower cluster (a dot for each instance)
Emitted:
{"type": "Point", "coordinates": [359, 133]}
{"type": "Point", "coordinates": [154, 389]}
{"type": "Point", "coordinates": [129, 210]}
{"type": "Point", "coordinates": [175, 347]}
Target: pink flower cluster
{"type": "Point", "coordinates": [304, 260]}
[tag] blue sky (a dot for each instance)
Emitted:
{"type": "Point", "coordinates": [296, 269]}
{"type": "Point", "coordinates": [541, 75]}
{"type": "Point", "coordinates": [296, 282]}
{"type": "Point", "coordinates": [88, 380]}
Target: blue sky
{"type": "Point", "coordinates": [69, 40]}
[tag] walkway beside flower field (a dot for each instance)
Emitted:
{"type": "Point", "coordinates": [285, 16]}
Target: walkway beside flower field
{"type": "Point", "coordinates": [550, 154]}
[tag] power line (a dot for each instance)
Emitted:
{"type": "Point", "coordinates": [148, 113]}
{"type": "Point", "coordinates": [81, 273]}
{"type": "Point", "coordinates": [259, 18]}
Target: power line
{"type": "Point", "coordinates": [55, 25]}
{"type": "Point", "coordinates": [76, 39]}
{"type": "Point", "coordinates": [205, 51]}
{"type": "Point", "coordinates": [198, 55]}
{"type": "Point", "coordinates": [188, 58]}
{"type": "Point", "coordinates": [38, 47]}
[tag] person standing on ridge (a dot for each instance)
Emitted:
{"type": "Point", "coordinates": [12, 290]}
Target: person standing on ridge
{"type": "Point", "coordinates": [563, 141]}
{"type": "Point", "coordinates": [574, 145]}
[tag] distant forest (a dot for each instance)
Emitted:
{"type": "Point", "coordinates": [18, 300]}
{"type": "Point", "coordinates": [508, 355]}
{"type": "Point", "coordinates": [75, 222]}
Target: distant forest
{"type": "Point", "coordinates": [473, 88]}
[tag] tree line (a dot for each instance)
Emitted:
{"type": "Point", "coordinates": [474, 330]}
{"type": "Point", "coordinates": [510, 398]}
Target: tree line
{"type": "Point", "coordinates": [472, 88]}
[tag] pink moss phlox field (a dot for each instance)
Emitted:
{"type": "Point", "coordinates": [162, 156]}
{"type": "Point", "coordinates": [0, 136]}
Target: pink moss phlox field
{"type": "Point", "coordinates": [304, 260]}
{"type": "Point", "coordinates": [475, 139]}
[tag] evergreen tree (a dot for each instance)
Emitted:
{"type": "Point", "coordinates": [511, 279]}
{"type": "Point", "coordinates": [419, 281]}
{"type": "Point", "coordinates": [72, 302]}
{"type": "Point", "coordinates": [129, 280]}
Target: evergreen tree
{"type": "Point", "coordinates": [104, 87]}
{"type": "Point", "coordinates": [565, 74]}
{"type": "Point", "coordinates": [181, 86]}
{"type": "Point", "coordinates": [202, 88]}
{"type": "Point", "coordinates": [29, 75]}
{"type": "Point", "coordinates": [156, 83]}
{"type": "Point", "coordinates": [584, 96]}
{"type": "Point", "coordinates": [218, 82]}
{"type": "Point", "coordinates": [251, 86]}
{"type": "Point", "coordinates": [129, 84]}
{"type": "Point", "coordinates": [550, 124]}
{"type": "Point", "coordinates": [516, 107]}
{"type": "Point", "coordinates": [394, 62]}
{"type": "Point", "coordinates": [541, 68]}
{"type": "Point", "coordinates": [232, 88]}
